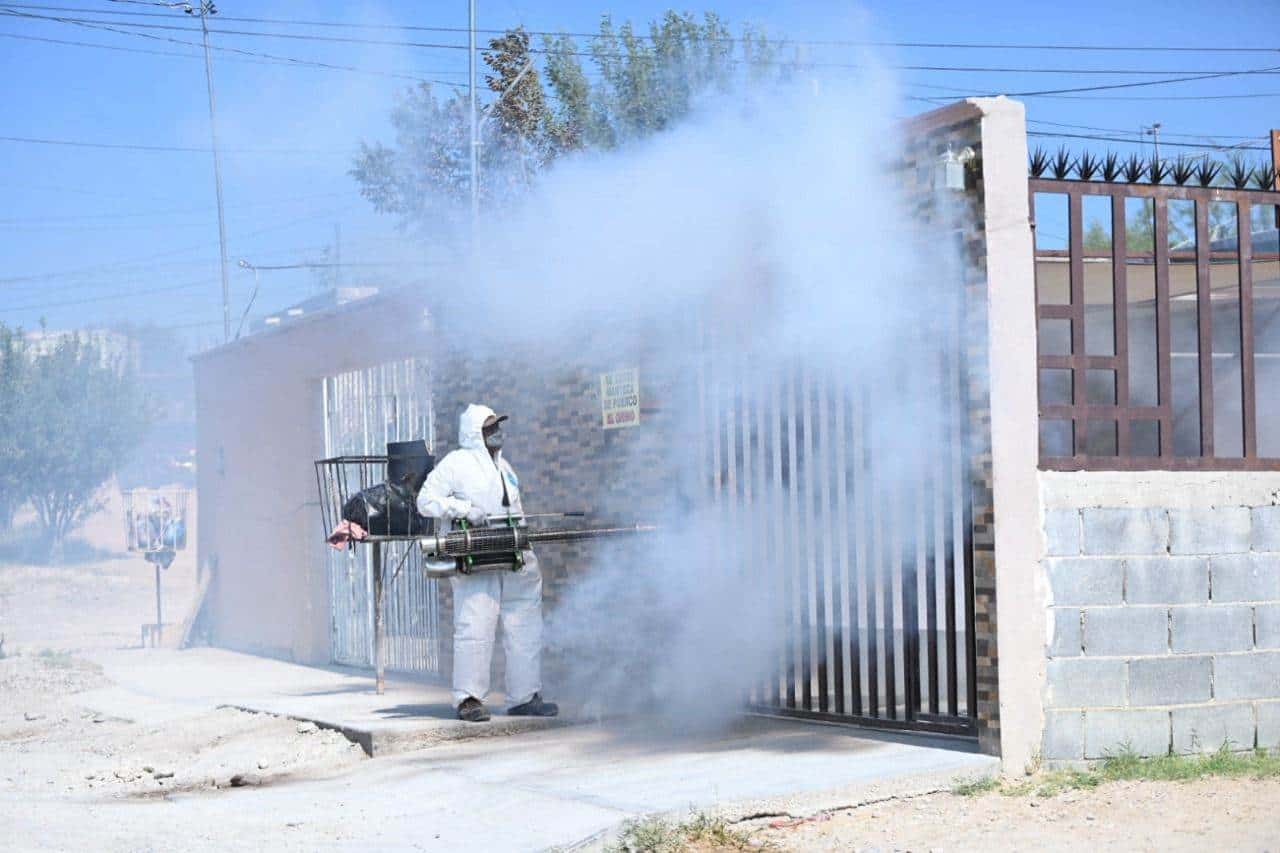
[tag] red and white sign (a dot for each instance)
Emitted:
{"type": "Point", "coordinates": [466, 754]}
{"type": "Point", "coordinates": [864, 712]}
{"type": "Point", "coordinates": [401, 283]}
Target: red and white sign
{"type": "Point", "coordinates": [620, 398]}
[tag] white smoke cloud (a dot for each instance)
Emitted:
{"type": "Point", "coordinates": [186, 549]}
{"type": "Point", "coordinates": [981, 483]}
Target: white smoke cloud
{"type": "Point", "coordinates": [777, 224]}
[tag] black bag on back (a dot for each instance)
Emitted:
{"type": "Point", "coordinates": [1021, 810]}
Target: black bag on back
{"type": "Point", "coordinates": [387, 510]}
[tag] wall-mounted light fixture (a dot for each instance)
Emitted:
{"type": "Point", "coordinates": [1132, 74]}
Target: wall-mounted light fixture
{"type": "Point", "coordinates": [951, 168]}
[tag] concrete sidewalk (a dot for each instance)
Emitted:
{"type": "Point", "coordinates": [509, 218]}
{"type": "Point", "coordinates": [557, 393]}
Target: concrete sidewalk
{"type": "Point", "coordinates": [533, 790]}
{"type": "Point", "coordinates": [157, 685]}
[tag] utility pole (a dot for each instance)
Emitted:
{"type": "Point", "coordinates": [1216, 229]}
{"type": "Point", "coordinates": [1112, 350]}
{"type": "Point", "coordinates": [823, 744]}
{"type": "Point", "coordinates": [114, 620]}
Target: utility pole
{"type": "Point", "coordinates": [205, 9]}
{"type": "Point", "coordinates": [471, 113]}
{"type": "Point", "coordinates": [1153, 131]}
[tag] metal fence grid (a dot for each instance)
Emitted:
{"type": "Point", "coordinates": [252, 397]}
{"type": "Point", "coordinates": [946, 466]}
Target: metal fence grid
{"type": "Point", "coordinates": [1158, 340]}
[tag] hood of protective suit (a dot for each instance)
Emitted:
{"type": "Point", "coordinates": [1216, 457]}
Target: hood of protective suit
{"type": "Point", "coordinates": [469, 426]}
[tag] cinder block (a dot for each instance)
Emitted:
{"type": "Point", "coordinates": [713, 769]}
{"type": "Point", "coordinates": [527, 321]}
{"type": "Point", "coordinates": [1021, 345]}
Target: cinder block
{"type": "Point", "coordinates": [1126, 631]}
{"type": "Point", "coordinates": [1062, 532]}
{"type": "Point", "coordinates": [1208, 727]}
{"type": "Point", "coordinates": [1166, 580]}
{"type": "Point", "coordinates": [1245, 577]}
{"type": "Point", "coordinates": [1109, 732]}
{"type": "Point", "coordinates": [1169, 681]}
{"type": "Point", "coordinates": [1268, 724]}
{"type": "Point", "coordinates": [1267, 618]}
{"type": "Point", "coordinates": [1213, 530]}
{"type": "Point", "coordinates": [1085, 683]}
{"type": "Point", "coordinates": [1265, 535]}
{"type": "Point", "coordinates": [1085, 580]}
{"type": "Point", "coordinates": [1212, 628]}
{"type": "Point", "coordinates": [1063, 735]}
{"type": "Point", "coordinates": [1249, 676]}
{"type": "Point", "coordinates": [1125, 531]}
{"type": "Point", "coordinates": [1065, 637]}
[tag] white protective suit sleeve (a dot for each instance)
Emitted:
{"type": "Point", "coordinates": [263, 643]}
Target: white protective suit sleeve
{"type": "Point", "coordinates": [436, 499]}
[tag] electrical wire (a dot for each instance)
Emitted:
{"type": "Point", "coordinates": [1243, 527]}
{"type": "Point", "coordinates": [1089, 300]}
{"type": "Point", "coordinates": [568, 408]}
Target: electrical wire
{"type": "Point", "coordinates": [179, 149]}
{"type": "Point", "coordinates": [1136, 141]}
{"type": "Point", "coordinates": [7, 9]}
{"type": "Point", "coordinates": [166, 254]}
{"type": "Point", "coordinates": [1163, 133]}
{"type": "Point", "coordinates": [112, 296]}
{"type": "Point", "coordinates": [642, 37]}
{"type": "Point", "coordinates": [291, 62]}
{"type": "Point", "coordinates": [106, 26]}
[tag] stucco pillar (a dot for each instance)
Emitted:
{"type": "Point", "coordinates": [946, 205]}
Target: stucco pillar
{"type": "Point", "coordinates": [1020, 592]}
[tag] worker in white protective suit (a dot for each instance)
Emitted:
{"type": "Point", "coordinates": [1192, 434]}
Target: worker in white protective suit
{"type": "Point", "coordinates": [475, 483]}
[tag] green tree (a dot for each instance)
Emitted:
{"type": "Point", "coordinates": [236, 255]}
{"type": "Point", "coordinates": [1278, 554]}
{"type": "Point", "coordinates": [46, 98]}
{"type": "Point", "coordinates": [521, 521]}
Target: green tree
{"type": "Point", "coordinates": [427, 167]}
{"type": "Point", "coordinates": [645, 85]}
{"type": "Point", "coordinates": [1096, 237]}
{"type": "Point", "coordinates": [13, 378]}
{"type": "Point", "coordinates": [77, 420]}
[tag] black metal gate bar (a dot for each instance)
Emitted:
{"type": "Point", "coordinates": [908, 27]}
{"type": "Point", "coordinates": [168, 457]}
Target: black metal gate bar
{"type": "Point", "coordinates": [874, 588]}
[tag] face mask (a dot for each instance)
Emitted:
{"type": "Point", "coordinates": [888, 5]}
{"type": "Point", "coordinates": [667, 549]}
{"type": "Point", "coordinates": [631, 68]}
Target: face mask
{"type": "Point", "coordinates": [493, 440]}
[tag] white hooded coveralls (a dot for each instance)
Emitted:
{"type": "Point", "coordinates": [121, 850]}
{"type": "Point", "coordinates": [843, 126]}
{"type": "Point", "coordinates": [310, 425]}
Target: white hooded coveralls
{"type": "Point", "coordinates": [469, 477]}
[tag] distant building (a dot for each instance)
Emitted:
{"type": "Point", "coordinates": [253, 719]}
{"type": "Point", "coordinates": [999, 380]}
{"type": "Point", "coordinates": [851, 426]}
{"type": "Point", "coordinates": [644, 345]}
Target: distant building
{"type": "Point", "coordinates": [115, 348]}
{"type": "Point", "coordinates": [331, 298]}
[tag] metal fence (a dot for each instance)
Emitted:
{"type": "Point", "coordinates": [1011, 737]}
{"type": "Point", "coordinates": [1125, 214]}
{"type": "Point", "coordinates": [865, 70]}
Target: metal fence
{"type": "Point", "coordinates": [363, 410]}
{"type": "Point", "coordinates": [868, 559]}
{"type": "Point", "coordinates": [1158, 316]}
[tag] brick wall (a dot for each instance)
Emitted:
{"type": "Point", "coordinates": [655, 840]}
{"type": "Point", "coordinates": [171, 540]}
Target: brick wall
{"type": "Point", "coordinates": [1164, 629]}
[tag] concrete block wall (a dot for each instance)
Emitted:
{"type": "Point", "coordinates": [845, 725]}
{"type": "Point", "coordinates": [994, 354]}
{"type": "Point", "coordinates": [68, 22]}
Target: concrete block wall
{"type": "Point", "coordinates": [1163, 629]}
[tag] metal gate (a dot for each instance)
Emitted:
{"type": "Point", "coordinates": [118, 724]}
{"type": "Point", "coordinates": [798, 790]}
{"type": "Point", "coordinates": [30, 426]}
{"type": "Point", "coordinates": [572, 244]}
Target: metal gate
{"type": "Point", "coordinates": [363, 410]}
{"type": "Point", "coordinates": [868, 559]}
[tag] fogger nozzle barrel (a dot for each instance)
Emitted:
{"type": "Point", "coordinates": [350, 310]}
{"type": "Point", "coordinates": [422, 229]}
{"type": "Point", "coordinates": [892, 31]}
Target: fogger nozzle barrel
{"type": "Point", "coordinates": [479, 541]}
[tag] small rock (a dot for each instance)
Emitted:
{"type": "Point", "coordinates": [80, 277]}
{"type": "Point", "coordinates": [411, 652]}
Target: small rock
{"type": "Point", "coordinates": [237, 781]}
{"type": "Point", "coordinates": [91, 776]}
{"type": "Point", "coordinates": [1033, 804]}
{"type": "Point", "coordinates": [307, 727]}
{"type": "Point", "coordinates": [263, 764]}
{"type": "Point", "coordinates": [98, 718]}
{"type": "Point", "coordinates": [1089, 817]}
{"type": "Point", "coordinates": [163, 774]}
{"type": "Point", "coordinates": [32, 716]}
{"type": "Point", "coordinates": [147, 768]}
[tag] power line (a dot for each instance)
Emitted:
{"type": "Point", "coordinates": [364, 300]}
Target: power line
{"type": "Point", "coordinates": [1164, 97]}
{"type": "Point", "coordinates": [291, 62]}
{"type": "Point", "coordinates": [642, 37]}
{"type": "Point", "coordinates": [968, 93]}
{"type": "Point", "coordinates": [110, 296]}
{"type": "Point", "coordinates": [1134, 141]}
{"type": "Point", "coordinates": [447, 46]}
{"type": "Point", "coordinates": [180, 149]}
{"type": "Point", "coordinates": [106, 26]}
{"type": "Point", "coordinates": [169, 253]}
{"type": "Point", "coordinates": [1163, 133]}
{"type": "Point", "coordinates": [142, 214]}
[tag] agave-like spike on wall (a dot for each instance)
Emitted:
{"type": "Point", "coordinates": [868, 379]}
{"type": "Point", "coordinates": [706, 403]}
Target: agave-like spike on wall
{"type": "Point", "coordinates": [1087, 166]}
{"type": "Point", "coordinates": [1039, 162]}
{"type": "Point", "coordinates": [1264, 177]}
{"type": "Point", "coordinates": [1239, 172]}
{"type": "Point", "coordinates": [1181, 170]}
{"type": "Point", "coordinates": [1134, 168]}
{"type": "Point", "coordinates": [1062, 164]}
{"type": "Point", "coordinates": [1207, 170]}
{"type": "Point", "coordinates": [1157, 170]}
{"type": "Point", "coordinates": [1110, 167]}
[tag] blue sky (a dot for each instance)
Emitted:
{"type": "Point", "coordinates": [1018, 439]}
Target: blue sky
{"type": "Point", "coordinates": [94, 235]}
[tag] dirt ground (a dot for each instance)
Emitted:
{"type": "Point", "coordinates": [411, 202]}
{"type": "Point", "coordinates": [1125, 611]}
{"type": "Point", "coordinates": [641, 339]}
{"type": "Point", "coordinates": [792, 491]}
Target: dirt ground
{"type": "Point", "coordinates": [52, 620]}
{"type": "Point", "coordinates": [1210, 814]}
{"type": "Point", "coordinates": [52, 744]}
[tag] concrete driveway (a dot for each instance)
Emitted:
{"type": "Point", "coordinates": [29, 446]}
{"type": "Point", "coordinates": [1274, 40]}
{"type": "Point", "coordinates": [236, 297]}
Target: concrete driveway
{"type": "Point", "coordinates": [522, 790]}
